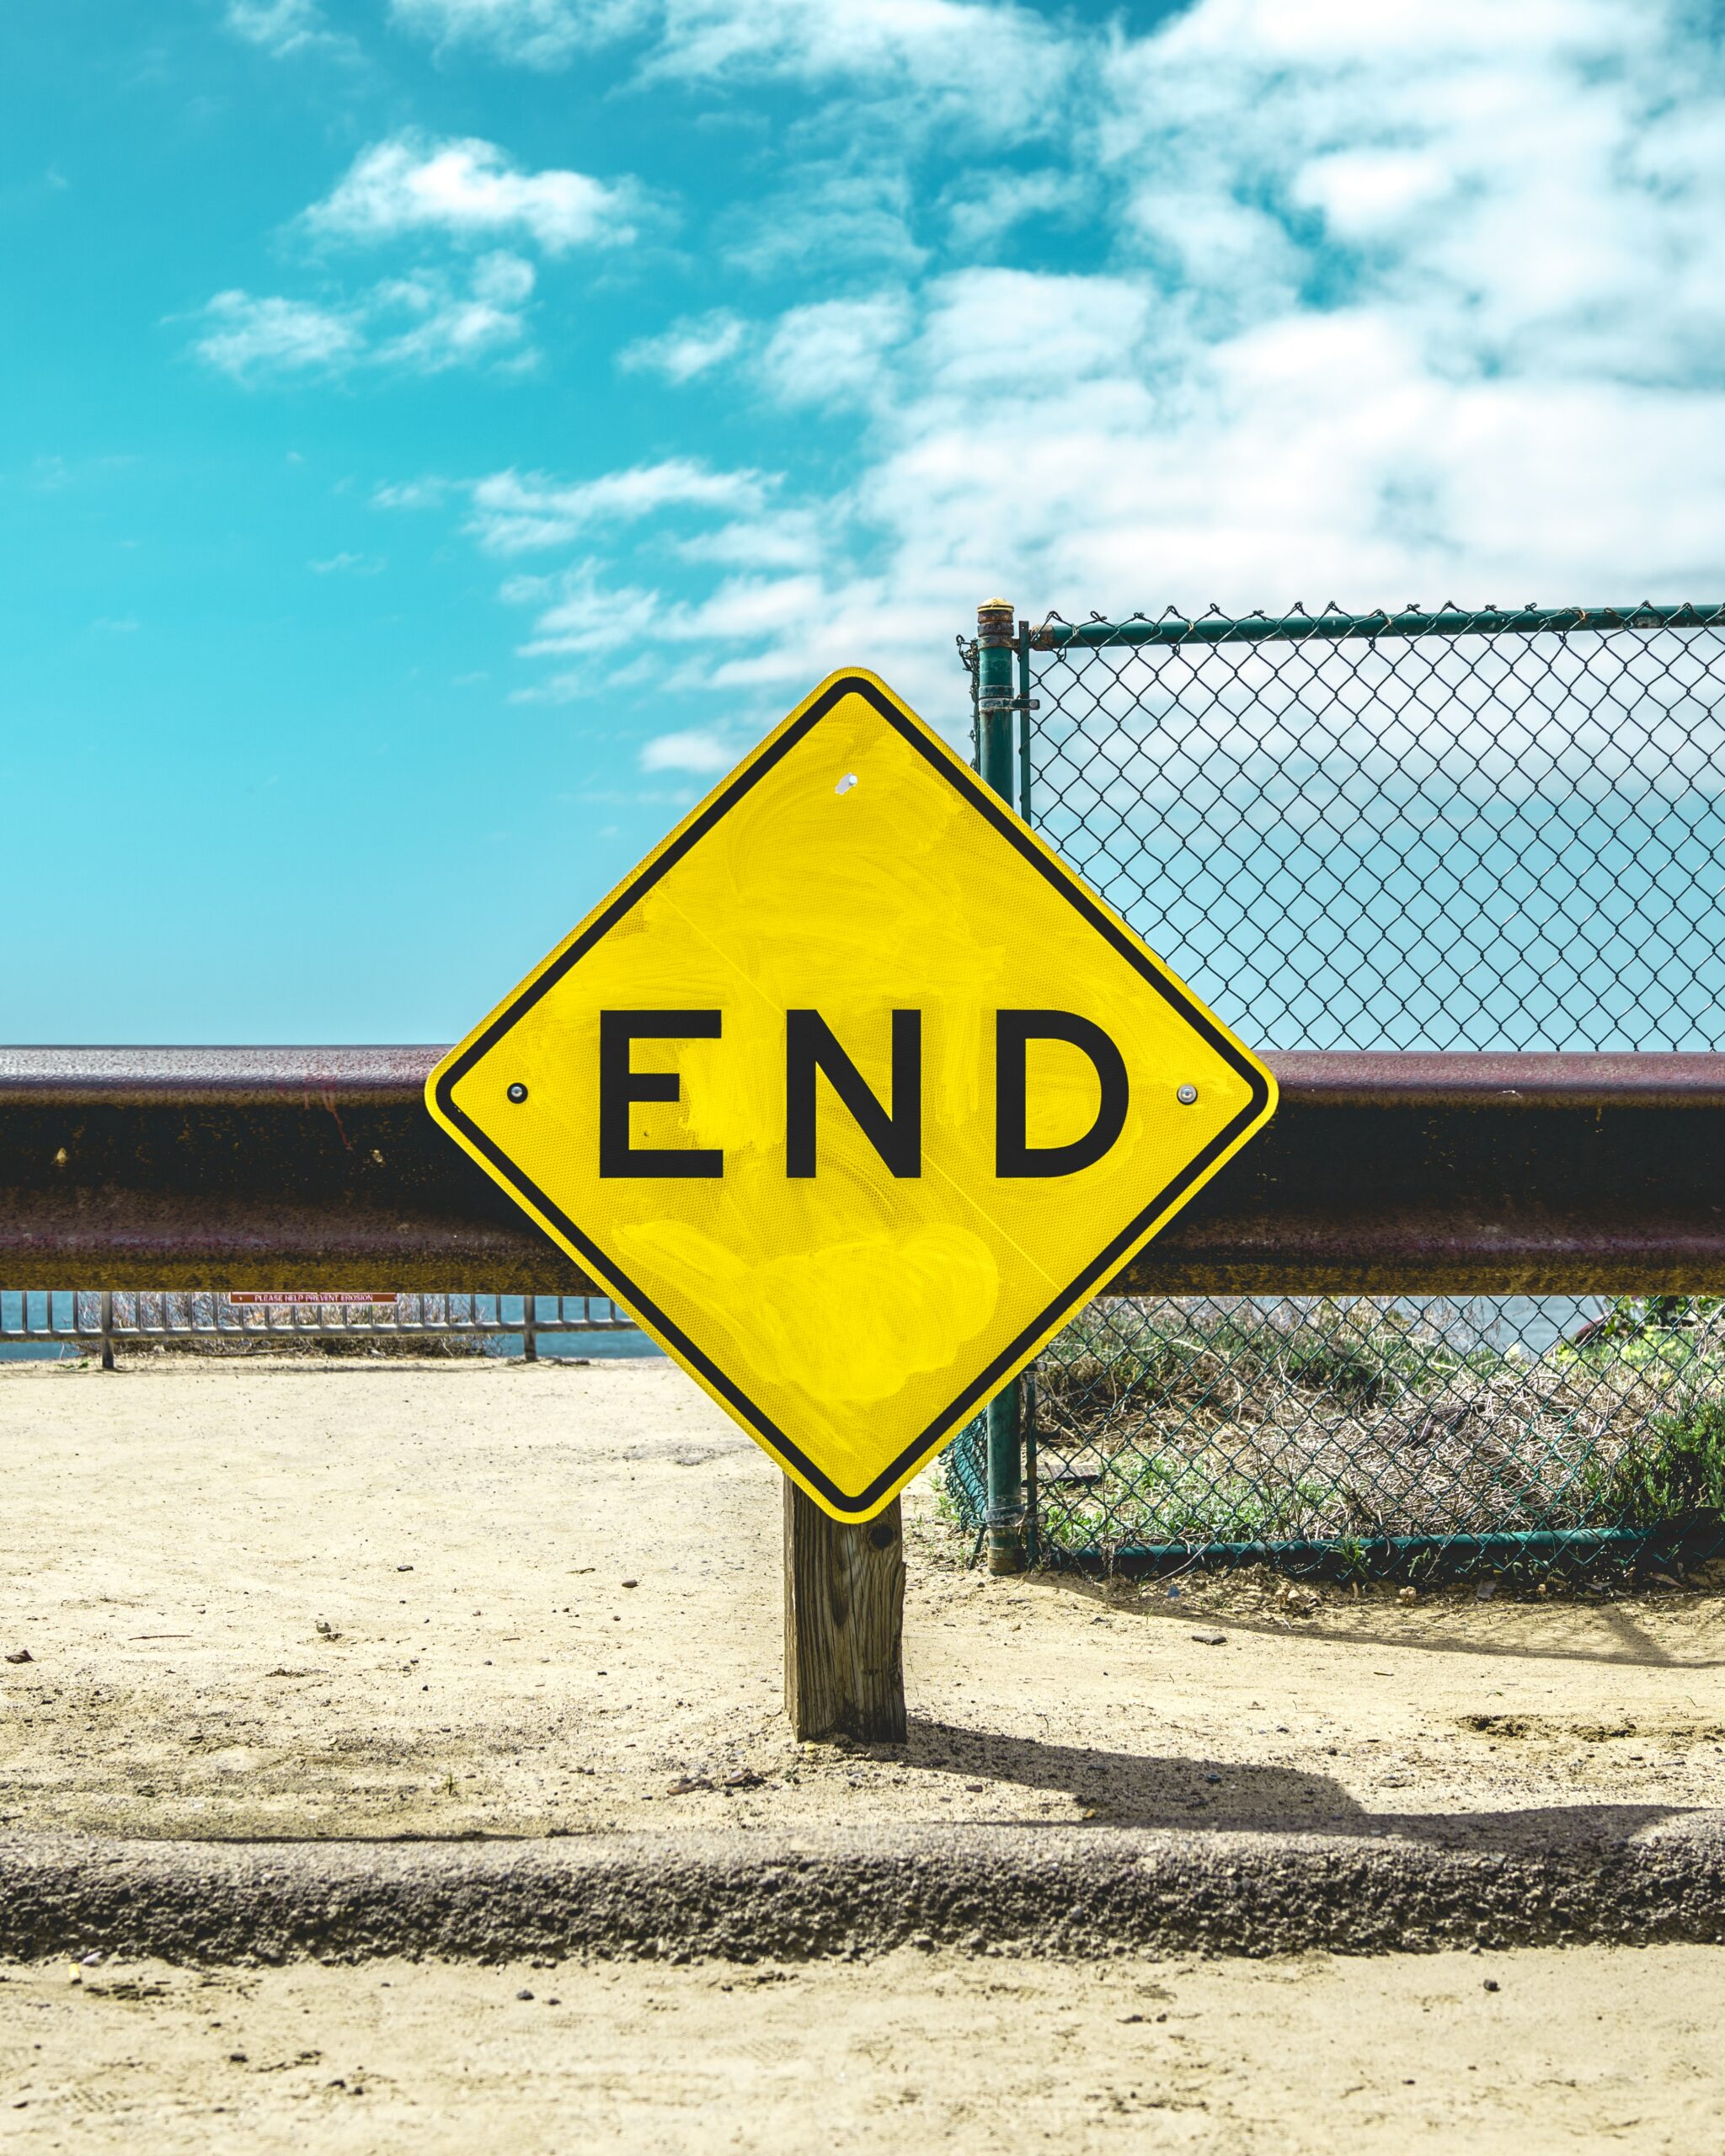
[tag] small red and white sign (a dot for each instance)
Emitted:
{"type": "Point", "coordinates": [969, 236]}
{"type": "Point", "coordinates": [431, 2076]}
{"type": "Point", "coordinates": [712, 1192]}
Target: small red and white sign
{"type": "Point", "coordinates": [315, 1298]}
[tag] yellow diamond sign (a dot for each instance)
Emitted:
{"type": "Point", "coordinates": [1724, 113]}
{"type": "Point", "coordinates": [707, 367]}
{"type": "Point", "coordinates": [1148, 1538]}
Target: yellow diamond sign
{"type": "Point", "coordinates": [853, 1093]}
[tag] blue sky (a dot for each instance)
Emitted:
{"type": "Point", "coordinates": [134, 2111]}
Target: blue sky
{"type": "Point", "coordinates": [437, 435]}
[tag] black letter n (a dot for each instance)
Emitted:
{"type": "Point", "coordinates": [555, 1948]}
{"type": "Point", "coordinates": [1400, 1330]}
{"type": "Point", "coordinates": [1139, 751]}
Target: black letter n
{"type": "Point", "coordinates": [896, 1135]}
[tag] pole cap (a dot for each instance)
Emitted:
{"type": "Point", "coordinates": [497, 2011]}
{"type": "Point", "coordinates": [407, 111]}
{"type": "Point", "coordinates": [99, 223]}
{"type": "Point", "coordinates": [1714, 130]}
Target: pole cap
{"type": "Point", "coordinates": [994, 621]}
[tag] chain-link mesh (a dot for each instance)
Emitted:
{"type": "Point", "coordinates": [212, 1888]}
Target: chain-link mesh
{"type": "Point", "coordinates": [1450, 831]}
{"type": "Point", "coordinates": [1492, 837]}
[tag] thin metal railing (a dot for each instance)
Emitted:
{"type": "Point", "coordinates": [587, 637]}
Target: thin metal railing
{"type": "Point", "coordinates": [102, 1320]}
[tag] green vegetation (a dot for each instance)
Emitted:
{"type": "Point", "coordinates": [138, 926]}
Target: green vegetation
{"type": "Point", "coordinates": [1674, 1472]}
{"type": "Point", "coordinates": [1169, 1497]}
{"type": "Point", "coordinates": [1201, 1422]}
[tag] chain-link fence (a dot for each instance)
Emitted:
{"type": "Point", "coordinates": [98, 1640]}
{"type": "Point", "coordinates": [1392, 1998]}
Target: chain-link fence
{"type": "Point", "coordinates": [1488, 831]}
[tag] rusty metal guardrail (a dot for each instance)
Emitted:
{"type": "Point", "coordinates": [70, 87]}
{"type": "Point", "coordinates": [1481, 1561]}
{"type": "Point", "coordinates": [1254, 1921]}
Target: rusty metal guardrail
{"type": "Point", "coordinates": [1401, 1173]}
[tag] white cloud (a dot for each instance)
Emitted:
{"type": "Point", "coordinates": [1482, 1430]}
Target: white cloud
{"type": "Point", "coordinates": [1542, 192]}
{"type": "Point", "coordinates": [836, 351]}
{"type": "Point", "coordinates": [935, 44]}
{"type": "Point", "coordinates": [787, 539]}
{"type": "Point", "coordinates": [284, 27]}
{"type": "Point", "coordinates": [431, 492]}
{"type": "Point", "coordinates": [827, 217]}
{"type": "Point", "coordinates": [450, 326]}
{"type": "Point", "coordinates": [435, 317]}
{"type": "Point", "coordinates": [468, 190]}
{"type": "Point", "coordinates": [345, 564]}
{"type": "Point", "coordinates": [1424, 301]}
{"type": "Point", "coordinates": [691, 347]}
{"type": "Point", "coordinates": [580, 613]}
{"type": "Point", "coordinates": [250, 338]}
{"type": "Point", "coordinates": [1365, 196]}
{"type": "Point", "coordinates": [988, 205]}
{"type": "Point", "coordinates": [1000, 65]}
{"type": "Point", "coordinates": [696, 749]}
{"type": "Point", "coordinates": [513, 513]}
{"type": "Point", "coordinates": [994, 330]}
{"type": "Point", "coordinates": [424, 323]}
{"type": "Point", "coordinates": [518, 512]}
{"type": "Point", "coordinates": [537, 33]}
{"type": "Point", "coordinates": [1511, 387]}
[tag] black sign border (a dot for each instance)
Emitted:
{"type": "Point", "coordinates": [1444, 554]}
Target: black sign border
{"type": "Point", "coordinates": [1085, 1283]}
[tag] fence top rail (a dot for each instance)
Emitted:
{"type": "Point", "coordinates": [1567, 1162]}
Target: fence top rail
{"type": "Point", "coordinates": [1333, 626]}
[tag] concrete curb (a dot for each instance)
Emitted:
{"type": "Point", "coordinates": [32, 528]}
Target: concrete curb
{"type": "Point", "coordinates": [1065, 1890]}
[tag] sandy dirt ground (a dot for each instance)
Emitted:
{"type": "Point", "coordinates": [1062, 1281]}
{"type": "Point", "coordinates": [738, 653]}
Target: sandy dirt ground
{"type": "Point", "coordinates": [1565, 2049]}
{"type": "Point", "coordinates": [308, 1598]}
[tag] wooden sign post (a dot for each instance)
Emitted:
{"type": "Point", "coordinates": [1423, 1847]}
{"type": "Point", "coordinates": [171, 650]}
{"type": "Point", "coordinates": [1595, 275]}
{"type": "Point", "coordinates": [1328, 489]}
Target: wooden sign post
{"type": "Point", "coordinates": [844, 1623]}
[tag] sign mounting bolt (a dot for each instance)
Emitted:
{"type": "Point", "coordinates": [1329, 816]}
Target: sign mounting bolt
{"type": "Point", "coordinates": [1186, 1096]}
{"type": "Point", "coordinates": [518, 1092]}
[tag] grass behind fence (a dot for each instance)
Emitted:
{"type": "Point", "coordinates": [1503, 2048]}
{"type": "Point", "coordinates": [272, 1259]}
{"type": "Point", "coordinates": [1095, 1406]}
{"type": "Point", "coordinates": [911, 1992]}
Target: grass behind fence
{"type": "Point", "coordinates": [1381, 1430]}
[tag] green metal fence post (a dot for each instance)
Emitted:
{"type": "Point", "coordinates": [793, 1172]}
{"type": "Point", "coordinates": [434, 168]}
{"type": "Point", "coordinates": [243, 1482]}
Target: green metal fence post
{"type": "Point", "coordinates": [997, 640]}
{"type": "Point", "coordinates": [1026, 704]}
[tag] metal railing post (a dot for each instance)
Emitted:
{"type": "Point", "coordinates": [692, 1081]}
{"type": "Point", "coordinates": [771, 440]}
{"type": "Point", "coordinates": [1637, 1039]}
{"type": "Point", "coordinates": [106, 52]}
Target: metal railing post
{"type": "Point", "coordinates": [996, 637]}
{"type": "Point", "coordinates": [530, 1337]}
{"type": "Point", "coordinates": [107, 1330]}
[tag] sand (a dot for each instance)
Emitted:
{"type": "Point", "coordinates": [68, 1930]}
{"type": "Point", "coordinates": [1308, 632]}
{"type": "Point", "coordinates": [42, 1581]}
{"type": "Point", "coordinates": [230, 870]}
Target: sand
{"type": "Point", "coordinates": [1527, 2052]}
{"type": "Point", "coordinates": [309, 1599]}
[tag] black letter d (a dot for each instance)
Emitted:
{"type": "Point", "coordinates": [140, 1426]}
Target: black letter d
{"type": "Point", "coordinates": [1013, 1032]}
